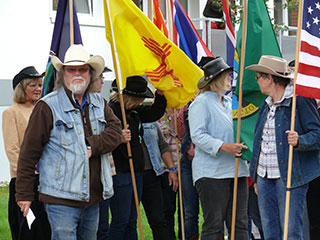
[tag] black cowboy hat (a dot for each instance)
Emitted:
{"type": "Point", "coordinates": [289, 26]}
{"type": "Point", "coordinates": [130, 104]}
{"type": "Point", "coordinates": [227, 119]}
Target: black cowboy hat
{"type": "Point", "coordinates": [136, 86]}
{"type": "Point", "coordinates": [27, 72]}
{"type": "Point", "coordinates": [211, 70]}
{"type": "Point", "coordinates": [204, 60]}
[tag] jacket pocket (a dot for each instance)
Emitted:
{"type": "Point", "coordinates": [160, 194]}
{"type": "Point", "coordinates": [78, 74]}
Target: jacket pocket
{"type": "Point", "coordinates": [65, 132]}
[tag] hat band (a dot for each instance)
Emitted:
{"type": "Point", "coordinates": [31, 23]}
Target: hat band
{"type": "Point", "coordinates": [283, 73]}
{"type": "Point", "coordinates": [135, 93]}
{"type": "Point", "coordinates": [75, 61]}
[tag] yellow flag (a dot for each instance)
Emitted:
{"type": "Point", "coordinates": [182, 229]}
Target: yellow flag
{"type": "Point", "coordinates": [140, 48]}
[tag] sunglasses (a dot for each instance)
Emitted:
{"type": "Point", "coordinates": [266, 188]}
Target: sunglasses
{"type": "Point", "coordinates": [73, 70]}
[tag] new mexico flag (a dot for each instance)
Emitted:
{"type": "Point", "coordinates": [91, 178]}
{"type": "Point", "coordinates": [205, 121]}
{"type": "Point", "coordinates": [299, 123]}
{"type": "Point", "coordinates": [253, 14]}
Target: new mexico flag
{"type": "Point", "coordinates": [140, 48]}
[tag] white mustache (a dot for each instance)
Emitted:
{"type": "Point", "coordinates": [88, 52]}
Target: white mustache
{"type": "Point", "coordinates": [78, 78]}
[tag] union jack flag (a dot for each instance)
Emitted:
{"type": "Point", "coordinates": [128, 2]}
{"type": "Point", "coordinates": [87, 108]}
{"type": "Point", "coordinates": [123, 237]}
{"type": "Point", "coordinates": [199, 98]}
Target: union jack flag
{"type": "Point", "coordinates": [308, 78]}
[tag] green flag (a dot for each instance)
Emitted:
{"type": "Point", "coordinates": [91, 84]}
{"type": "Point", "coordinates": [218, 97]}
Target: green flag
{"type": "Point", "coordinates": [260, 40]}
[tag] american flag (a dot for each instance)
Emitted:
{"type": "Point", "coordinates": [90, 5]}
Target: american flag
{"type": "Point", "coordinates": [308, 78]}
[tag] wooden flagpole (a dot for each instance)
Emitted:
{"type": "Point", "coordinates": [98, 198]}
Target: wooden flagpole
{"type": "Point", "coordinates": [71, 22]}
{"type": "Point", "coordinates": [119, 78]}
{"type": "Point", "coordinates": [176, 132]}
{"type": "Point", "coordinates": [179, 175]}
{"type": "Point", "coordinates": [235, 187]}
{"type": "Point", "coordinates": [293, 115]}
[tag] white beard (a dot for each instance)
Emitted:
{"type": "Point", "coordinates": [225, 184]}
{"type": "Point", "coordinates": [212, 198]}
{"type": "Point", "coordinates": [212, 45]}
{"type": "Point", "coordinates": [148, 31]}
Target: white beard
{"type": "Point", "coordinates": [78, 88]}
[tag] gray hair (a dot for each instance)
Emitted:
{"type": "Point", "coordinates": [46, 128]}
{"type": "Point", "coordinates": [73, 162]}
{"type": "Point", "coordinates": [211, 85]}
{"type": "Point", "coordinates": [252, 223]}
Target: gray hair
{"type": "Point", "coordinates": [61, 76]}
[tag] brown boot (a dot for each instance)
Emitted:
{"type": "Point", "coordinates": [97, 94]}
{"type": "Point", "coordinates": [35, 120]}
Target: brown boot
{"type": "Point", "coordinates": [195, 237]}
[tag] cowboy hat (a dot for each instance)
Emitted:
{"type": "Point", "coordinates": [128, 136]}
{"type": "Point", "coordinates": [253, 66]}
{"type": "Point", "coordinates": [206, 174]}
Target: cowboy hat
{"type": "Point", "coordinates": [136, 86]}
{"type": "Point", "coordinates": [27, 72]}
{"type": "Point", "coordinates": [204, 60]}
{"type": "Point", "coordinates": [76, 55]}
{"type": "Point", "coordinates": [211, 70]}
{"type": "Point", "coordinates": [273, 65]}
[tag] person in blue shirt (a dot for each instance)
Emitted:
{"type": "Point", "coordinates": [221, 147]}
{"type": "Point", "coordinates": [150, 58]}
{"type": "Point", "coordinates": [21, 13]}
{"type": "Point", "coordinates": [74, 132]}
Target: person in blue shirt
{"type": "Point", "coordinates": [213, 166]}
{"type": "Point", "coordinates": [272, 137]}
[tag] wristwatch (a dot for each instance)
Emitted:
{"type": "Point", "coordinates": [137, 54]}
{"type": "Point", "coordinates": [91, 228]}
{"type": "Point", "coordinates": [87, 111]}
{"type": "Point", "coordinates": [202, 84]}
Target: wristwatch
{"type": "Point", "coordinates": [173, 169]}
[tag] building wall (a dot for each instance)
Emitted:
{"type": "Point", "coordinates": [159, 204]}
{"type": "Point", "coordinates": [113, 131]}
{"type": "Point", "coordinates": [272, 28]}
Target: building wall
{"type": "Point", "coordinates": [26, 30]}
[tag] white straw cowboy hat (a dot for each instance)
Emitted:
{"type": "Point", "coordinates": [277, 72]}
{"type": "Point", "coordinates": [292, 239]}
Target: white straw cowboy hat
{"type": "Point", "coordinates": [273, 65]}
{"type": "Point", "coordinates": [76, 55]}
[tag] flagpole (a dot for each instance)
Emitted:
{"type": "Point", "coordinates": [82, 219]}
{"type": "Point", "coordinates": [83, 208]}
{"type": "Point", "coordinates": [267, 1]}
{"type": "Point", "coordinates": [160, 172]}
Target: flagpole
{"type": "Point", "coordinates": [293, 115]}
{"type": "Point", "coordinates": [119, 82]}
{"type": "Point", "coordinates": [235, 187]}
{"type": "Point", "coordinates": [71, 22]}
{"type": "Point", "coordinates": [170, 36]}
{"type": "Point", "coordinates": [179, 175]}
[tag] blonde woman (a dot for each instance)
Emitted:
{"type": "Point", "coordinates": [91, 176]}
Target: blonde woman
{"type": "Point", "coordinates": [213, 165]}
{"type": "Point", "coordinates": [27, 89]}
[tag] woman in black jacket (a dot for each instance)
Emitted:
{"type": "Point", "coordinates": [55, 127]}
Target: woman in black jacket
{"type": "Point", "coordinates": [123, 209]}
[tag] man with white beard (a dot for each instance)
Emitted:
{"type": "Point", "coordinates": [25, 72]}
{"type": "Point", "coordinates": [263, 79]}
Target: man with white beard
{"type": "Point", "coordinates": [70, 132]}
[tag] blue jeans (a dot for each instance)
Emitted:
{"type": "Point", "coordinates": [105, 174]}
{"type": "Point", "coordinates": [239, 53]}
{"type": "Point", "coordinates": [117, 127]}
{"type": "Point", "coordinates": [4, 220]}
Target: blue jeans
{"type": "Point", "coordinates": [190, 199]}
{"type": "Point", "coordinates": [103, 228]}
{"type": "Point", "coordinates": [123, 208]}
{"type": "Point", "coordinates": [70, 223]}
{"type": "Point", "coordinates": [271, 199]}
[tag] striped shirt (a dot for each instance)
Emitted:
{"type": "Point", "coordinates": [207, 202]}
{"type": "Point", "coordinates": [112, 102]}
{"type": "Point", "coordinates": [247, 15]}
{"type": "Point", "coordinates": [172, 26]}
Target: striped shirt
{"type": "Point", "coordinates": [268, 159]}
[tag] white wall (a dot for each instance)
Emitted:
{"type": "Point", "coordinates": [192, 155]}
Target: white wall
{"type": "Point", "coordinates": [4, 162]}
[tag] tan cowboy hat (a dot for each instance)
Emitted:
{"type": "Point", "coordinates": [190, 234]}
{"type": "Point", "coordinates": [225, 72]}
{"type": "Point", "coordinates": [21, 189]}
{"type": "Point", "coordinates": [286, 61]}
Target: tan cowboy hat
{"type": "Point", "coordinates": [273, 65]}
{"type": "Point", "coordinates": [76, 55]}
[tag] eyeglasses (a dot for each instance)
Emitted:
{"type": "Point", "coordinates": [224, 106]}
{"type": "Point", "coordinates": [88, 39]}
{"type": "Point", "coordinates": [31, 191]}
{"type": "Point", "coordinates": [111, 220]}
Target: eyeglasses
{"type": "Point", "coordinates": [257, 77]}
{"type": "Point", "coordinates": [73, 70]}
{"type": "Point", "coordinates": [35, 85]}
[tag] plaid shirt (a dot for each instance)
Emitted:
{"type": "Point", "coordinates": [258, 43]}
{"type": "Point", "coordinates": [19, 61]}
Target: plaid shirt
{"type": "Point", "coordinates": [268, 158]}
{"type": "Point", "coordinates": [166, 124]}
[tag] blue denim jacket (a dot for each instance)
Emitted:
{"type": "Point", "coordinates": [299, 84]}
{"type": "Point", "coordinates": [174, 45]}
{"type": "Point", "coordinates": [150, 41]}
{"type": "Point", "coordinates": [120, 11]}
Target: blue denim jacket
{"type": "Point", "coordinates": [306, 157]}
{"type": "Point", "coordinates": [151, 139]}
{"type": "Point", "coordinates": [64, 163]}
{"type": "Point", "coordinates": [211, 125]}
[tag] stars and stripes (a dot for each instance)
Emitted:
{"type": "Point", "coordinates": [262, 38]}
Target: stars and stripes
{"type": "Point", "coordinates": [308, 78]}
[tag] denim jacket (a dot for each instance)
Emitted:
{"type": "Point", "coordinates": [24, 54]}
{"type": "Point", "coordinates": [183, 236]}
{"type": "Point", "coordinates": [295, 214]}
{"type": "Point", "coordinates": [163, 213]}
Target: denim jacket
{"type": "Point", "coordinates": [151, 139]}
{"type": "Point", "coordinates": [306, 156]}
{"type": "Point", "coordinates": [64, 163]}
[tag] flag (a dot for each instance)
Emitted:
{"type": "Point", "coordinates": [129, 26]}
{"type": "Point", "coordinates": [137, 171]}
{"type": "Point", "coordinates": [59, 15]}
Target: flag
{"type": "Point", "coordinates": [140, 48]}
{"type": "Point", "coordinates": [158, 18]}
{"type": "Point", "coordinates": [185, 34]}
{"type": "Point", "coordinates": [308, 78]}
{"type": "Point", "coordinates": [260, 40]}
{"type": "Point", "coordinates": [230, 36]}
{"type": "Point", "coordinates": [61, 40]}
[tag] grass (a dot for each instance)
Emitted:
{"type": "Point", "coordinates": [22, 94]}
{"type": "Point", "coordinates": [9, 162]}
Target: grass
{"type": "Point", "coordinates": [5, 230]}
{"type": "Point", "coordinates": [4, 225]}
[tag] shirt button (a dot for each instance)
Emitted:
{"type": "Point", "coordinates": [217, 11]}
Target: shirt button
{"type": "Point", "coordinates": [79, 132]}
{"type": "Point", "coordinates": [84, 176]}
{"type": "Point", "coordinates": [282, 161]}
{"type": "Point", "coordinates": [279, 125]}
{"type": "Point", "coordinates": [280, 143]}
